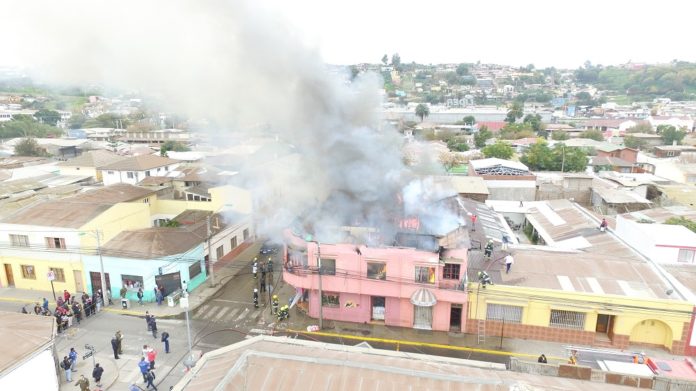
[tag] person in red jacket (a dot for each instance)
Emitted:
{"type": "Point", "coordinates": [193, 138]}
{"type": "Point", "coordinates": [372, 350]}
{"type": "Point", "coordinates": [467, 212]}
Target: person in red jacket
{"type": "Point", "coordinates": [151, 356]}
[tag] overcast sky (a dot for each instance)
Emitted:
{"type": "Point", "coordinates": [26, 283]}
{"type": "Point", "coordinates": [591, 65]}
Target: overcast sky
{"type": "Point", "coordinates": [513, 32]}
{"type": "Point", "coordinates": [556, 33]}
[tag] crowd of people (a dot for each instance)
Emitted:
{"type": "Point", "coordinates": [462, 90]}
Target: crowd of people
{"type": "Point", "coordinates": [69, 309]}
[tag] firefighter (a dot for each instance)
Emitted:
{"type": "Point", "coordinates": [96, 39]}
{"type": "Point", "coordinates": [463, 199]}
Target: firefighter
{"type": "Point", "coordinates": [255, 268]}
{"type": "Point", "coordinates": [256, 298]}
{"type": "Point", "coordinates": [484, 279]}
{"type": "Point", "coordinates": [489, 249]}
{"type": "Point", "coordinates": [284, 312]}
{"type": "Point", "coordinates": [274, 305]}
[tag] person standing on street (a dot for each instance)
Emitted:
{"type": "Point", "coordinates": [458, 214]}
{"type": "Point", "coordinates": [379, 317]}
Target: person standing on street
{"type": "Point", "coordinates": [149, 378]}
{"type": "Point", "coordinates": [119, 340]}
{"type": "Point", "coordinates": [165, 339]}
{"type": "Point", "coordinates": [97, 374]}
{"type": "Point", "coordinates": [114, 346]}
{"type": "Point", "coordinates": [147, 319]}
{"type": "Point", "coordinates": [509, 260]}
{"type": "Point", "coordinates": [151, 356]}
{"type": "Point", "coordinates": [140, 296]}
{"type": "Point", "coordinates": [83, 383]}
{"type": "Point", "coordinates": [123, 292]}
{"type": "Point", "coordinates": [73, 359]}
{"type": "Point", "coordinates": [159, 297]}
{"type": "Point", "coordinates": [45, 304]}
{"type": "Point", "coordinates": [65, 365]}
{"type": "Point", "coordinates": [144, 368]}
{"type": "Point", "coordinates": [153, 326]}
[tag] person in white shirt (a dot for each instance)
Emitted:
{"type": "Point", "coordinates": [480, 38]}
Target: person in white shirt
{"type": "Point", "coordinates": [508, 263]}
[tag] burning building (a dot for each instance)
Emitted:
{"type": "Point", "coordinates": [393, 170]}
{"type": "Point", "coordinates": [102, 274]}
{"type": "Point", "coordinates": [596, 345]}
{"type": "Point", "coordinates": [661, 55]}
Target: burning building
{"type": "Point", "coordinates": [408, 273]}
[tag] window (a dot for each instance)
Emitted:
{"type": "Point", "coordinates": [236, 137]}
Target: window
{"type": "Point", "coordinates": [28, 272]}
{"type": "Point", "coordinates": [567, 319]}
{"type": "Point", "coordinates": [451, 271]}
{"type": "Point", "coordinates": [146, 200]}
{"type": "Point", "coordinates": [60, 275]}
{"type": "Point", "coordinates": [245, 234]}
{"type": "Point", "coordinates": [55, 243]}
{"type": "Point", "coordinates": [233, 242]}
{"type": "Point", "coordinates": [219, 252]}
{"type": "Point", "coordinates": [130, 175]}
{"type": "Point", "coordinates": [110, 172]}
{"type": "Point", "coordinates": [377, 270]}
{"type": "Point", "coordinates": [19, 240]}
{"type": "Point", "coordinates": [131, 283]}
{"type": "Point", "coordinates": [506, 313]}
{"type": "Point", "coordinates": [194, 270]}
{"type": "Point", "coordinates": [670, 153]}
{"type": "Point", "coordinates": [328, 266]}
{"type": "Point", "coordinates": [686, 255]}
{"type": "Point", "coordinates": [425, 274]}
{"type": "Point", "coordinates": [330, 300]}
{"type": "Point", "coordinates": [166, 168]}
{"type": "Point", "coordinates": [147, 173]}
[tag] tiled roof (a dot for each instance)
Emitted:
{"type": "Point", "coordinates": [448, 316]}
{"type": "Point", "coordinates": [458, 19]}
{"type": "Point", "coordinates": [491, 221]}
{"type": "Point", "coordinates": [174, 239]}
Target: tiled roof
{"type": "Point", "coordinates": [95, 159]}
{"type": "Point", "coordinates": [139, 163]}
{"type": "Point", "coordinates": [21, 335]}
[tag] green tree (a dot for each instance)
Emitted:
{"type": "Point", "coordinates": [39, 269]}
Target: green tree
{"type": "Point", "coordinates": [534, 120]}
{"type": "Point", "coordinates": [173, 146]}
{"type": "Point", "coordinates": [641, 127]}
{"type": "Point", "coordinates": [28, 147]}
{"type": "Point", "coordinates": [76, 121]}
{"type": "Point", "coordinates": [458, 146]}
{"type": "Point", "coordinates": [515, 112]}
{"type": "Point", "coordinates": [681, 220]}
{"type": "Point", "coordinates": [396, 60]}
{"type": "Point", "coordinates": [385, 59]}
{"type": "Point", "coordinates": [634, 142]}
{"type": "Point", "coordinates": [670, 134]}
{"type": "Point", "coordinates": [469, 120]}
{"type": "Point", "coordinates": [500, 149]}
{"type": "Point", "coordinates": [481, 136]}
{"type": "Point", "coordinates": [49, 117]}
{"type": "Point", "coordinates": [26, 126]}
{"type": "Point", "coordinates": [107, 120]}
{"type": "Point", "coordinates": [569, 159]}
{"type": "Point", "coordinates": [516, 131]}
{"type": "Point", "coordinates": [593, 134]}
{"type": "Point", "coordinates": [539, 157]}
{"type": "Point", "coordinates": [462, 69]}
{"type": "Point", "coordinates": [422, 111]}
{"type": "Point", "coordinates": [560, 136]}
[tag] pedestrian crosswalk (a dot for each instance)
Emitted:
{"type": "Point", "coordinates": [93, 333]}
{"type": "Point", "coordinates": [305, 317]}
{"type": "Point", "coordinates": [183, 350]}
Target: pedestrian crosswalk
{"type": "Point", "coordinates": [225, 314]}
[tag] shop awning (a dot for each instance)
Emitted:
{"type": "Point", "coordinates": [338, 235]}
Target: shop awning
{"type": "Point", "coordinates": [423, 298]}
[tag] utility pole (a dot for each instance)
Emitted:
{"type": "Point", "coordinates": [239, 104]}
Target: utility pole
{"type": "Point", "coordinates": [103, 276]}
{"type": "Point", "coordinates": [563, 159]}
{"type": "Point", "coordinates": [321, 295]}
{"type": "Point", "coordinates": [210, 253]}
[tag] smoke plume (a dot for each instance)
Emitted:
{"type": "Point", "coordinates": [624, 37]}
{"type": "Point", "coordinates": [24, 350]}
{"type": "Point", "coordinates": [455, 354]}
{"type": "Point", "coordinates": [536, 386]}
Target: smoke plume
{"type": "Point", "coordinates": [239, 67]}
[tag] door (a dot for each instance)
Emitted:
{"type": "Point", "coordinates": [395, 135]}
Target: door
{"type": "Point", "coordinates": [603, 323]}
{"type": "Point", "coordinates": [79, 287]}
{"type": "Point", "coordinates": [10, 276]}
{"type": "Point", "coordinates": [95, 279]}
{"type": "Point", "coordinates": [378, 307]}
{"type": "Point", "coordinates": [423, 318]}
{"type": "Point", "coordinates": [169, 282]}
{"type": "Point", "coordinates": [456, 318]}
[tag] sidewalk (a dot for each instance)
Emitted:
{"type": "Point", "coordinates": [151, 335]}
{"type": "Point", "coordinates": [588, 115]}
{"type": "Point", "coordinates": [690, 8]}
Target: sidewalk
{"type": "Point", "coordinates": [224, 270]}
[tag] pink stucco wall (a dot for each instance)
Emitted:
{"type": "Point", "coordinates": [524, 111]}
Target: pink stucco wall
{"type": "Point", "coordinates": [355, 289]}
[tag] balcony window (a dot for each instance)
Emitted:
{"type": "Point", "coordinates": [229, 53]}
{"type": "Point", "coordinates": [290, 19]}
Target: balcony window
{"type": "Point", "coordinates": [28, 272]}
{"type": "Point", "coordinates": [55, 243]}
{"type": "Point", "coordinates": [504, 313]}
{"type": "Point", "coordinates": [425, 274]}
{"type": "Point", "coordinates": [328, 267]}
{"type": "Point", "coordinates": [451, 271]}
{"type": "Point", "coordinates": [377, 270]}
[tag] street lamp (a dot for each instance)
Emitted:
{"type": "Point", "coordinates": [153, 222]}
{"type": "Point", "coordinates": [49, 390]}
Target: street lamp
{"type": "Point", "coordinates": [97, 235]}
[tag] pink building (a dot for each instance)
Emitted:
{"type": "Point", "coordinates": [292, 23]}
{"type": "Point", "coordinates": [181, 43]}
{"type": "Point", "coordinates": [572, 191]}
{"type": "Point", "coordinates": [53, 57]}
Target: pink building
{"type": "Point", "coordinates": [394, 286]}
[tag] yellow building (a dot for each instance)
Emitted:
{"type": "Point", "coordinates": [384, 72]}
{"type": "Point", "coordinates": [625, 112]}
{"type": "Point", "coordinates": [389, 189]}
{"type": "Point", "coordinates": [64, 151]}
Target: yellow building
{"type": "Point", "coordinates": [577, 285]}
{"type": "Point", "coordinates": [51, 236]}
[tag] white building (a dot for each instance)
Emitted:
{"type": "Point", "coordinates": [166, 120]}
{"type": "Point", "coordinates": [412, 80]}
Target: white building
{"type": "Point", "coordinates": [134, 169]}
{"type": "Point", "coordinates": [662, 243]}
{"type": "Point", "coordinates": [27, 362]}
{"type": "Point", "coordinates": [676, 121]}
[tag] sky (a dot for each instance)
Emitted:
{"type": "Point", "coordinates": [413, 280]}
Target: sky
{"type": "Point", "coordinates": [563, 34]}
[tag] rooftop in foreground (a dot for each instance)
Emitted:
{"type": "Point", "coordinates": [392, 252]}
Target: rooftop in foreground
{"type": "Point", "coordinates": [274, 363]}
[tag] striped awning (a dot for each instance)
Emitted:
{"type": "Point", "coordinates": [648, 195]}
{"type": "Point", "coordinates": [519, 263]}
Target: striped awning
{"type": "Point", "coordinates": [423, 298]}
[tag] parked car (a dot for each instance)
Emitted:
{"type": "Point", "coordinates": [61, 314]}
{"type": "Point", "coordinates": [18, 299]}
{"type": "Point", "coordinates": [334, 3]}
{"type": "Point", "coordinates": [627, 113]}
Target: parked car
{"type": "Point", "coordinates": [268, 248]}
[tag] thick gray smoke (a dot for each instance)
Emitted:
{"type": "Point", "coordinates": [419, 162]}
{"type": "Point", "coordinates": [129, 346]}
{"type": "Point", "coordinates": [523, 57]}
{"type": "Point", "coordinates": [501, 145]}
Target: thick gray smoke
{"type": "Point", "coordinates": [239, 67]}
